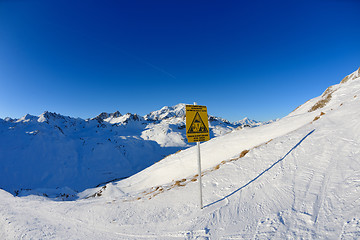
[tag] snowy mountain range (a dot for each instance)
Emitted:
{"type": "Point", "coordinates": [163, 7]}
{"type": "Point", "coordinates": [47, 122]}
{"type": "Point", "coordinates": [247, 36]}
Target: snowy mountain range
{"type": "Point", "coordinates": [55, 151]}
{"type": "Point", "coordinates": [296, 178]}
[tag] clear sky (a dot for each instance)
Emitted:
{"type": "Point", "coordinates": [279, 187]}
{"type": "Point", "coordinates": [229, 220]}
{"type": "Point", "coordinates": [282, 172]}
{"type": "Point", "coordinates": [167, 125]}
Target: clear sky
{"type": "Point", "coordinates": [256, 59]}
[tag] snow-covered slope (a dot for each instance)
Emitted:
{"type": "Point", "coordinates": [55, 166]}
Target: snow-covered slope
{"type": "Point", "coordinates": [296, 178]}
{"type": "Point", "coordinates": [232, 144]}
{"type": "Point", "coordinates": [54, 151]}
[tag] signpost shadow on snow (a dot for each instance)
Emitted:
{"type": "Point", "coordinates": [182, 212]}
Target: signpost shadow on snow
{"type": "Point", "coordinates": [258, 176]}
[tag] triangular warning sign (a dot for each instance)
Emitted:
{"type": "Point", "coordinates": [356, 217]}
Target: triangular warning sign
{"type": "Point", "coordinates": [197, 125]}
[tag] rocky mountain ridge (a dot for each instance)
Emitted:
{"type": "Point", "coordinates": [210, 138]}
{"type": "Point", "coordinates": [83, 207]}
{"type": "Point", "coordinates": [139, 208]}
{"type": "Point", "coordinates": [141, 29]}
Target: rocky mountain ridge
{"type": "Point", "coordinates": [79, 153]}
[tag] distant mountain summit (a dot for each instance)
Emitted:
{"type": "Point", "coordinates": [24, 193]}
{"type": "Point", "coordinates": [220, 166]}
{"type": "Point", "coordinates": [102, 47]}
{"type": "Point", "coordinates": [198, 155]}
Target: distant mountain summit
{"type": "Point", "coordinates": [170, 112]}
{"type": "Point", "coordinates": [246, 122]}
{"type": "Point", "coordinates": [117, 118]}
{"type": "Point", "coordinates": [106, 116]}
{"type": "Point", "coordinates": [167, 112]}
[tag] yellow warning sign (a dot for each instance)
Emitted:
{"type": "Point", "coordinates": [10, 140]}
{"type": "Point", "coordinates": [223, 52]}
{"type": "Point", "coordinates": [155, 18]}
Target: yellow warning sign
{"type": "Point", "coordinates": [197, 126]}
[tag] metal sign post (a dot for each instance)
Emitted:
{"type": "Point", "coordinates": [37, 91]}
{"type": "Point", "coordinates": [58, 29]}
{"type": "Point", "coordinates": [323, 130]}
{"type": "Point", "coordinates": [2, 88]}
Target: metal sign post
{"type": "Point", "coordinates": [199, 169]}
{"type": "Point", "coordinates": [197, 130]}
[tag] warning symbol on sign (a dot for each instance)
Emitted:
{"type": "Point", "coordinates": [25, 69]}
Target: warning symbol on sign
{"type": "Point", "coordinates": [197, 125]}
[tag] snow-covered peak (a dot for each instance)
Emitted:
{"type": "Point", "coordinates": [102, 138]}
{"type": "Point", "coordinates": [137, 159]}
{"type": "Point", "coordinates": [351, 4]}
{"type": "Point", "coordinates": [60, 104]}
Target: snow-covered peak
{"type": "Point", "coordinates": [49, 116]}
{"type": "Point", "coordinates": [27, 118]}
{"type": "Point", "coordinates": [247, 122]}
{"type": "Point", "coordinates": [117, 118]}
{"type": "Point", "coordinates": [131, 117]}
{"type": "Point", "coordinates": [124, 119]}
{"type": "Point", "coordinates": [179, 111]}
{"type": "Point", "coordinates": [101, 116]}
{"type": "Point", "coordinates": [218, 119]}
{"type": "Point", "coordinates": [9, 119]}
{"type": "Point", "coordinates": [108, 117]}
{"type": "Point", "coordinates": [167, 112]}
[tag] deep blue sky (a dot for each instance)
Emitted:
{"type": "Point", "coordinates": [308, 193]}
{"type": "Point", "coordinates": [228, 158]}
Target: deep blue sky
{"type": "Point", "coordinates": [259, 59]}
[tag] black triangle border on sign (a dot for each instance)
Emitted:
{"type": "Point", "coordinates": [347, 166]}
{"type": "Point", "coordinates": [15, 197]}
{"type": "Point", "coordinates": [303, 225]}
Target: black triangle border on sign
{"type": "Point", "coordinates": [206, 130]}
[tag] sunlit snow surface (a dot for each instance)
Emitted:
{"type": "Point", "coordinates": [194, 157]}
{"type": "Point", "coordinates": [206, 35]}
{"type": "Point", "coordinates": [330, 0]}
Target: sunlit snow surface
{"type": "Point", "coordinates": [299, 180]}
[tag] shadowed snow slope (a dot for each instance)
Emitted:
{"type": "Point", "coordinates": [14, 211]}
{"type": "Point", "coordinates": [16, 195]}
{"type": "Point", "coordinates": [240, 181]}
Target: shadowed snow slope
{"type": "Point", "coordinates": [298, 180]}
